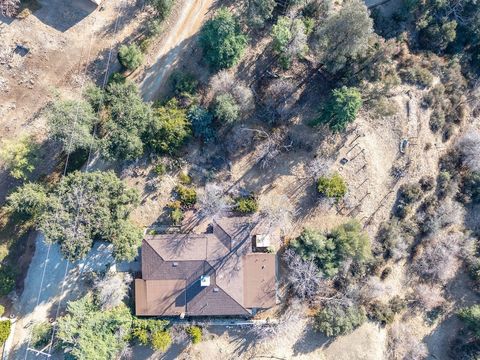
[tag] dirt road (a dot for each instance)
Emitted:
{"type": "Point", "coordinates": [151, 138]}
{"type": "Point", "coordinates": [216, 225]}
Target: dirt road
{"type": "Point", "coordinates": [191, 15]}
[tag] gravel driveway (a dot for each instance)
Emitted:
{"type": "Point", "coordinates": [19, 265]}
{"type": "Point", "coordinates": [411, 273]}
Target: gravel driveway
{"type": "Point", "coordinates": [45, 289]}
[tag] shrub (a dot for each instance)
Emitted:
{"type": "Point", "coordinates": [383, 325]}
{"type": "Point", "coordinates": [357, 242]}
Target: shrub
{"type": "Point", "coordinates": [176, 216]}
{"type": "Point", "coordinates": [161, 340]}
{"type": "Point", "coordinates": [202, 123]}
{"type": "Point", "coordinates": [130, 56]}
{"type": "Point", "coordinates": [19, 156]}
{"type": "Point", "coordinates": [195, 333]}
{"type": "Point", "coordinates": [41, 335]}
{"type": "Point", "coordinates": [183, 83]}
{"type": "Point", "coordinates": [160, 169]}
{"type": "Point", "coordinates": [2, 310]}
{"type": "Point", "coordinates": [142, 329]}
{"type": "Point", "coordinates": [332, 186]}
{"type": "Point", "coordinates": [259, 11]}
{"type": "Point", "coordinates": [471, 318]}
{"type": "Point", "coordinates": [5, 326]}
{"type": "Point", "coordinates": [341, 109]}
{"type": "Point", "coordinates": [437, 119]}
{"type": "Point", "coordinates": [7, 279]}
{"type": "Point", "coordinates": [226, 108]}
{"type": "Point", "coordinates": [444, 182]}
{"type": "Point", "coordinates": [335, 320]}
{"type": "Point", "coordinates": [184, 178]}
{"type": "Point", "coordinates": [222, 41]}
{"type": "Point", "coordinates": [427, 183]}
{"type": "Point", "coordinates": [246, 205]}
{"type": "Point", "coordinates": [169, 128]}
{"type": "Point", "coordinates": [416, 75]}
{"type": "Point", "coordinates": [162, 7]}
{"type": "Point", "coordinates": [186, 195]}
{"type": "Point", "coordinates": [470, 187]}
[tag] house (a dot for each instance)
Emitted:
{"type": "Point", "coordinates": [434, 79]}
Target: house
{"type": "Point", "coordinates": [220, 273]}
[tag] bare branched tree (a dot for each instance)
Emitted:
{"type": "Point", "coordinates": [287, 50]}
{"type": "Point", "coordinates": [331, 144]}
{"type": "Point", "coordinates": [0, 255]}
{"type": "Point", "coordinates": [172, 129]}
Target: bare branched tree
{"type": "Point", "coordinates": [279, 99]}
{"type": "Point", "coordinates": [303, 276]}
{"type": "Point", "coordinates": [276, 212]}
{"type": "Point", "coordinates": [288, 324]}
{"type": "Point", "coordinates": [374, 289]}
{"type": "Point", "coordinates": [112, 289]}
{"type": "Point", "coordinates": [274, 144]}
{"type": "Point", "coordinates": [211, 201]}
{"type": "Point", "coordinates": [404, 344]}
{"type": "Point", "coordinates": [439, 258]}
{"type": "Point", "coordinates": [469, 147]}
{"type": "Point", "coordinates": [428, 297]}
{"type": "Point", "coordinates": [9, 8]}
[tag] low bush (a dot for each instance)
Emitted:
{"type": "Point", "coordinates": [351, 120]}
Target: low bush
{"type": "Point", "coordinates": [416, 75]}
{"type": "Point", "coordinates": [5, 327]}
{"type": "Point", "coordinates": [471, 318]}
{"type": "Point", "coordinates": [332, 186]}
{"type": "Point", "coordinates": [41, 335]}
{"type": "Point", "coordinates": [202, 123]}
{"type": "Point", "coordinates": [184, 178]}
{"type": "Point", "coordinates": [7, 279]}
{"type": "Point", "coordinates": [246, 205]}
{"type": "Point", "coordinates": [195, 333]}
{"type": "Point", "coordinates": [161, 340]}
{"type": "Point", "coordinates": [226, 109]}
{"type": "Point", "coordinates": [470, 188]}
{"type": "Point", "coordinates": [183, 83]}
{"type": "Point", "coordinates": [160, 169]}
{"type": "Point", "coordinates": [186, 195]}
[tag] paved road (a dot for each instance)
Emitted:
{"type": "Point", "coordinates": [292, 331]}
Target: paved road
{"type": "Point", "coordinates": [52, 289]}
{"type": "Point", "coordinates": [190, 20]}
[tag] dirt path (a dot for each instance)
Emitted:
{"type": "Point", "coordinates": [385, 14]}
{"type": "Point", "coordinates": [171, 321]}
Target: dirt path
{"type": "Point", "coordinates": [189, 20]}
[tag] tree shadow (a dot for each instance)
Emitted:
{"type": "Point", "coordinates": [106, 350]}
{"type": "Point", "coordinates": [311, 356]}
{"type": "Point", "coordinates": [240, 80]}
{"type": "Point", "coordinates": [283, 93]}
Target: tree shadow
{"type": "Point", "coordinates": [310, 341]}
{"type": "Point", "coordinates": [62, 15]}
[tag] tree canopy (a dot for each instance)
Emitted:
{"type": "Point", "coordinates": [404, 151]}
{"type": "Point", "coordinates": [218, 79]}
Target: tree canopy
{"type": "Point", "coordinates": [19, 156]}
{"type": "Point", "coordinates": [71, 122]}
{"type": "Point", "coordinates": [84, 207]}
{"type": "Point", "coordinates": [344, 35]}
{"type": "Point", "coordinates": [341, 109]}
{"type": "Point", "coordinates": [130, 56]}
{"type": "Point", "coordinates": [335, 320]}
{"type": "Point", "coordinates": [127, 119]}
{"type": "Point", "coordinates": [169, 128]}
{"type": "Point", "coordinates": [330, 251]}
{"type": "Point", "coordinates": [222, 41]}
{"type": "Point", "coordinates": [92, 333]}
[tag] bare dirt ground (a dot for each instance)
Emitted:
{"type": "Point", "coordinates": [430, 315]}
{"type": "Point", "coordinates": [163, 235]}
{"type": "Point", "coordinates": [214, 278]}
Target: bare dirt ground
{"type": "Point", "coordinates": [68, 42]}
{"type": "Point", "coordinates": [189, 17]}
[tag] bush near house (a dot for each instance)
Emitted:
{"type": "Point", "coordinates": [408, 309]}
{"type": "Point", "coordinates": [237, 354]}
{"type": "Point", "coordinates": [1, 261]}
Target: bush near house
{"type": "Point", "coordinates": [5, 326]}
{"type": "Point", "coordinates": [195, 333]}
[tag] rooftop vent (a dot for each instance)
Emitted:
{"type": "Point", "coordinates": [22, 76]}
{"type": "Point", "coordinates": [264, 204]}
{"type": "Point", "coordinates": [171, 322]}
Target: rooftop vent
{"type": "Point", "coordinates": [216, 289]}
{"type": "Point", "coordinates": [204, 280]}
{"type": "Point", "coordinates": [175, 264]}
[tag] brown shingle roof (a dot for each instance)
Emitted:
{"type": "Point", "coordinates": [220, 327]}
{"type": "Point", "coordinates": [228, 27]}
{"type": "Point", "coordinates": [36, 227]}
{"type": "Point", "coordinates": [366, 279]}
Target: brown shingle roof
{"type": "Point", "coordinates": [173, 264]}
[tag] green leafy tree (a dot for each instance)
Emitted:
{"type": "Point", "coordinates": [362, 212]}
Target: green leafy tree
{"type": "Point", "coordinates": [186, 195]}
{"type": "Point", "coordinates": [202, 123]}
{"type": "Point", "coordinates": [161, 340]}
{"type": "Point", "coordinates": [289, 39]}
{"type": "Point", "coordinates": [246, 205]}
{"type": "Point", "coordinates": [195, 333]}
{"type": "Point", "coordinates": [332, 186]}
{"type": "Point", "coordinates": [335, 320]}
{"type": "Point", "coordinates": [71, 122]}
{"type": "Point", "coordinates": [92, 333]}
{"type": "Point", "coordinates": [260, 11]}
{"type": "Point", "coordinates": [344, 35]}
{"type": "Point", "coordinates": [226, 109]}
{"type": "Point", "coordinates": [130, 56]}
{"type": "Point", "coordinates": [341, 109]}
{"type": "Point", "coordinates": [7, 279]}
{"type": "Point", "coordinates": [162, 7]}
{"type": "Point", "coordinates": [19, 157]}
{"type": "Point", "coordinates": [5, 326]}
{"type": "Point", "coordinates": [330, 251]}
{"type": "Point", "coordinates": [143, 329]}
{"type": "Point", "coordinates": [127, 119]}
{"type": "Point", "coordinates": [28, 200]}
{"type": "Point", "coordinates": [169, 128]}
{"type": "Point", "coordinates": [88, 206]}
{"type": "Point", "coordinates": [471, 317]}
{"type": "Point", "coordinates": [222, 41]}
{"type": "Point", "coordinates": [41, 335]}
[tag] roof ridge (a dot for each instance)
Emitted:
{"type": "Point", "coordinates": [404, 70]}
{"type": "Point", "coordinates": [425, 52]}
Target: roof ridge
{"type": "Point", "coordinates": [243, 307]}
